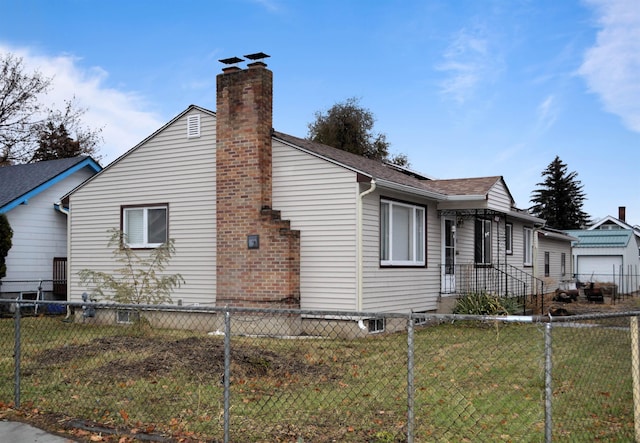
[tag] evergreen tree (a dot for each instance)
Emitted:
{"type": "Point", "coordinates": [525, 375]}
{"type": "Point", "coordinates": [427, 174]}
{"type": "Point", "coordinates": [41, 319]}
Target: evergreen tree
{"type": "Point", "coordinates": [560, 198]}
{"type": "Point", "coordinates": [55, 143]}
{"type": "Point", "coordinates": [6, 233]}
{"type": "Point", "coordinates": [349, 126]}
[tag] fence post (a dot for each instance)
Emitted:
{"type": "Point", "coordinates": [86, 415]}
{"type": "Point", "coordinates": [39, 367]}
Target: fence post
{"type": "Point", "coordinates": [548, 425]}
{"type": "Point", "coordinates": [410, 375]}
{"type": "Point", "coordinates": [635, 371]}
{"type": "Point", "coordinates": [16, 355]}
{"type": "Point", "coordinates": [227, 372]}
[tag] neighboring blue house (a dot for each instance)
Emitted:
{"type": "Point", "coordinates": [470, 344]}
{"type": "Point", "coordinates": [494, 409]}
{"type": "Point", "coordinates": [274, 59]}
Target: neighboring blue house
{"type": "Point", "coordinates": [30, 197]}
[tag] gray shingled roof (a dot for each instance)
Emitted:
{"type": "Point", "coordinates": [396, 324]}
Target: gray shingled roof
{"type": "Point", "coordinates": [466, 186]}
{"type": "Point", "coordinates": [18, 180]}
{"type": "Point", "coordinates": [380, 171]}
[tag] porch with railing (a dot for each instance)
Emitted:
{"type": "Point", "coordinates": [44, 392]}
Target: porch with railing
{"type": "Point", "coordinates": [503, 280]}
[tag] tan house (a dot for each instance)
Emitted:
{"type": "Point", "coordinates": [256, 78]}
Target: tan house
{"type": "Point", "coordinates": [265, 219]}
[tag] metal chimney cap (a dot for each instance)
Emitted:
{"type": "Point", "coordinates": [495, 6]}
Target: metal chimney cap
{"type": "Point", "coordinates": [257, 56]}
{"type": "Point", "coordinates": [231, 60]}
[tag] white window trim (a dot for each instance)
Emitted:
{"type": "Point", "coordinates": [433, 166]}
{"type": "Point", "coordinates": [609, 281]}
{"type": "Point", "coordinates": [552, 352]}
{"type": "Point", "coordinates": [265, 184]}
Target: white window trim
{"type": "Point", "coordinates": [508, 233]}
{"type": "Point", "coordinates": [547, 263]}
{"type": "Point", "coordinates": [145, 232]}
{"type": "Point", "coordinates": [527, 243]}
{"type": "Point", "coordinates": [487, 237]}
{"type": "Point", "coordinates": [415, 210]}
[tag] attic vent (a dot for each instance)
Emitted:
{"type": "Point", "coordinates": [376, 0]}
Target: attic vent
{"type": "Point", "coordinates": [193, 126]}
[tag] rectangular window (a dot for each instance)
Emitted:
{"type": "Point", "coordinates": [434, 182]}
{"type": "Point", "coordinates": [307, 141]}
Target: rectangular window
{"type": "Point", "coordinates": [546, 263]}
{"type": "Point", "coordinates": [528, 247]}
{"type": "Point", "coordinates": [482, 241]}
{"type": "Point", "coordinates": [127, 317]}
{"type": "Point", "coordinates": [563, 264]}
{"type": "Point", "coordinates": [376, 325]}
{"type": "Point", "coordinates": [508, 238]}
{"type": "Point", "coordinates": [402, 229]}
{"type": "Point", "coordinates": [145, 227]}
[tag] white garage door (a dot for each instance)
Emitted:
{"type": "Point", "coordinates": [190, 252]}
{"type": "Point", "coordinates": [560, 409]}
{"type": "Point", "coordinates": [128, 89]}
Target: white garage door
{"type": "Point", "coordinates": [600, 266]}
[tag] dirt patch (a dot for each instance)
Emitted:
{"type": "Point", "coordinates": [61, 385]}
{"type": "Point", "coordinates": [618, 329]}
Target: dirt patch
{"type": "Point", "coordinates": [149, 357]}
{"type": "Point", "coordinates": [583, 306]}
{"type": "Point", "coordinates": [121, 359]}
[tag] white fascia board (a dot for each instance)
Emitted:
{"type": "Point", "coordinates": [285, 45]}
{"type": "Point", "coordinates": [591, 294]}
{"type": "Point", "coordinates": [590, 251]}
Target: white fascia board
{"type": "Point", "coordinates": [526, 217]}
{"type": "Point", "coordinates": [557, 236]}
{"type": "Point", "coordinates": [474, 197]}
{"type": "Point", "coordinates": [409, 189]}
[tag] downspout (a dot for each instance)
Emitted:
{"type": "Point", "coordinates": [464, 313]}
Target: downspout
{"type": "Point", "coordinates": [534, 240]}
{"type": "Point", "coordinates": [60, 207]}
{"type": "Point", "coordinates": [360, 252]}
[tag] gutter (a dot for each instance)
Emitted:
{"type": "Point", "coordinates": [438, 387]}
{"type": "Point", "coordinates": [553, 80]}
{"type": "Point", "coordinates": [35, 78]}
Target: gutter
{"type": "Point", "coordinates": [473, 197]}
{"type": "Point", "coordinates": [59, 207]}
{"type": "Point", "coordinates": [360, 246]}
{"type": "Point", "coordinates": [411, 190]}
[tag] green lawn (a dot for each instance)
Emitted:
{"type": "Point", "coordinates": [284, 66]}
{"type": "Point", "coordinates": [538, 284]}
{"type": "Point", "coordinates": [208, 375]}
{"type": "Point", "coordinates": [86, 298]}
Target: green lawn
{"type": "Point", "coordinates": [473, 382]}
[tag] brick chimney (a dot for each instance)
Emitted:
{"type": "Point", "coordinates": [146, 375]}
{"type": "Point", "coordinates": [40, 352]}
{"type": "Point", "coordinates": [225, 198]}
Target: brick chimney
{"type": "Point", "coordinates": [258, 254]}
{"type": "Point", "coordinates": [622, 213]}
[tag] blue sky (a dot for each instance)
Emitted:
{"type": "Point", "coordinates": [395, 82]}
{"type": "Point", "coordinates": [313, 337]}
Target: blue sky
{"type": "Point", "coordinates": [464, 88]}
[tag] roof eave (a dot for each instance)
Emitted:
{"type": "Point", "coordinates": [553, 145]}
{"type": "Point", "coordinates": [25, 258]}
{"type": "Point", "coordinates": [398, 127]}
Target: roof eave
{"type": "Point", "coordinates": [315, 154]}
{"type": "Point", "coordinates": [557, 236]}
{"type": "Point", "coordinates": [386, 184]}
{"type": "Point", "coordinates": [381, 183]}
{"type": "Point", "coordinates": [526, 217]}
{"type": "Point", "coordinates": [146, 139]}
{"type": "Point", "coordinates": [24, 198]}
{"type": "Point", "coordinates": [471, 197]}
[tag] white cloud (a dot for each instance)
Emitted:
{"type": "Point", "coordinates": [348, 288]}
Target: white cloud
{"type": "Point", "coordinates": [467, 62]}
{"type": "Point", "coordinates": [611, 67]}
{"type": "Point", "coordinates": [547, 113]}
{"type": "Point", "coordinates": [120, 114]}
{"type": "Point", "coordinates": [269, 5]}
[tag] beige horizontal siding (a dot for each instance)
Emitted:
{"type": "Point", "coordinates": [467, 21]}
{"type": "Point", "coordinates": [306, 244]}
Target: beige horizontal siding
{"type": "Point", "coordinates": [169, 168]}
{"type": "Point", "coordinates": [499, 198]}
{"type": "Point", "coordinates": [319, 200]}
{"type": "Point", "coordinates": [555, 248]}
{"type": "Point", "coordinates": [399, 289]}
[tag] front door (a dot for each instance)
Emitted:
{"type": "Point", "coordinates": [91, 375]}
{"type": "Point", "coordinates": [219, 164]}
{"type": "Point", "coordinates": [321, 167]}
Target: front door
{"type": "Point", "coordinates": [449, 256]}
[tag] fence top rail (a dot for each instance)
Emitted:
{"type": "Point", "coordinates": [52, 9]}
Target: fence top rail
{"type": "Point", "coordinates": [529, 318]}
{"type": "Point", "coordinates": [342, 315]}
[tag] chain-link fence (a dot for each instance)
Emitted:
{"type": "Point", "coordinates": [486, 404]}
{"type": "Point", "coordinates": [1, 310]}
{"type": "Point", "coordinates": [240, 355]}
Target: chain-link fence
{"type": "Point", "coordinates": [620, 282]}
{"type": "Point", "coordinates": [243, 375]}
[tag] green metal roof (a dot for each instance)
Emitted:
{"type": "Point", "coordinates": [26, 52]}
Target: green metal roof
{"type": "Point", "coordinates": [601, 238]}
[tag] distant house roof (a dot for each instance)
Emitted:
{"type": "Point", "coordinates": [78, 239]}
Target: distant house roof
{"type": "Point", "coordinates": [618, 238]}
{"type": "Point", "coordinates": [19, 183]}
{"type": "Point", "coordinates": [610, 222]}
